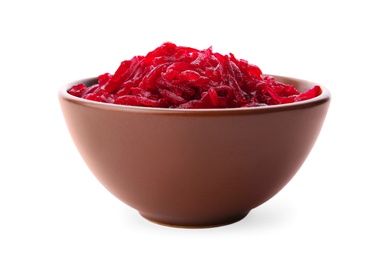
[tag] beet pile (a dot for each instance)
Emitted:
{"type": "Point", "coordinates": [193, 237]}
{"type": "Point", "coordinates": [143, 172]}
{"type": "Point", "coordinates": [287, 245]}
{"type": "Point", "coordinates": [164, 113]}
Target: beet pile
{"type": "Point", "coordinates": [173, 76]}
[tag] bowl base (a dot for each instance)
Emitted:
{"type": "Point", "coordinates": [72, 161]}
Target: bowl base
{"type": "Point", "coordinates": [209, 224]}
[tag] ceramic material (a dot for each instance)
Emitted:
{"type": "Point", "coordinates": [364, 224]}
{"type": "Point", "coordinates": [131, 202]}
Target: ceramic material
{"type": "Point", "coordinates": [194, 168]}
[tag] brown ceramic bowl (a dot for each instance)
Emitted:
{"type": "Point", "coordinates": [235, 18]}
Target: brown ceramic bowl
{"type": "Point", "coordinates": [194, 168]}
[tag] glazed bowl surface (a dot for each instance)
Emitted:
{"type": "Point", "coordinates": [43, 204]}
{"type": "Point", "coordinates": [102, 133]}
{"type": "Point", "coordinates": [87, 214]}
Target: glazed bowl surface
{"type": "Point", "coordinates": [194, 167]}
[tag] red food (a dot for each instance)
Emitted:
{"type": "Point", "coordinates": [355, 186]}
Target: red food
{"type": "Point", "coordinates": [173, 76]}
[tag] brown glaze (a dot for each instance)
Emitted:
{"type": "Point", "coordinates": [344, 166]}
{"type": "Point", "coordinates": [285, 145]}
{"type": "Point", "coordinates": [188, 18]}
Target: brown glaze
{"type": "Point", "coordinates": [194, 168]}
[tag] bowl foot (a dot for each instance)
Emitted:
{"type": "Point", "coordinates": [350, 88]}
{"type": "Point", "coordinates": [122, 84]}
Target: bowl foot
{"type": "Point", "coordinates": [196, 224]}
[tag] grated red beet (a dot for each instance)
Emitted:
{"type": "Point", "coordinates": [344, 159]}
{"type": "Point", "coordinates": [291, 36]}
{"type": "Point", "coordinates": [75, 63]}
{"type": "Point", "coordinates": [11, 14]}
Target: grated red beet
{"type": "Point", "coordinates": [172, 76]}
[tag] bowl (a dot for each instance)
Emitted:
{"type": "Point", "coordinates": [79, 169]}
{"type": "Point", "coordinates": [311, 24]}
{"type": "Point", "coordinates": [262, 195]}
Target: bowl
{"type": "Point", "coordinates": [194, 167]}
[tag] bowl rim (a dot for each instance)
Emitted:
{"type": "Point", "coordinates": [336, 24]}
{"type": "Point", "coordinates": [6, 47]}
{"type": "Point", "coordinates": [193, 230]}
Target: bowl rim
{"type": "Point", "coordinates": [324, 97]}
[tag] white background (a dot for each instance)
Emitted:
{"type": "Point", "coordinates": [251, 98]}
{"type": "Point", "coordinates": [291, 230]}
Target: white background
{"type": "Point", "coordinates": [51, 206]}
